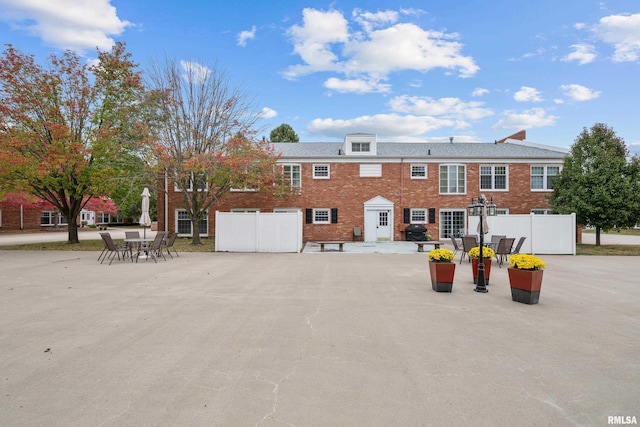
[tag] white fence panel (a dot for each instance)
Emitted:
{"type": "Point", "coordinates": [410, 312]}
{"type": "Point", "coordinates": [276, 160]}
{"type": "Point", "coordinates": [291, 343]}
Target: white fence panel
{"type": "Point", "coordinates": [258, 232]}
{"type": "Point", "coordinates": [280, 232]}
{"type": "Point", "coordinates": [545, 234]}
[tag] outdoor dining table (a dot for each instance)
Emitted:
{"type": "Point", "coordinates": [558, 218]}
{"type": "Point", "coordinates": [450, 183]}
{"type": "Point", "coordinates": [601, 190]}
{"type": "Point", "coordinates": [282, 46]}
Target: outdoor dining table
{"type": "Point", "coordinates": [138, 242]}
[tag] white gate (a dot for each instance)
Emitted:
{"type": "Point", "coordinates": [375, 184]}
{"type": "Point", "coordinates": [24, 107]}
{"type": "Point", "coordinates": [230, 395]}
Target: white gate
{"type": "Point", "coordinates": [545, 234]}
{"type": "Point", "coordinates": [258, 232]}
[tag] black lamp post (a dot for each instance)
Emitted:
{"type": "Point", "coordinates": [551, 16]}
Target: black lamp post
{"type": "Point", "coordinates": [481, 209]}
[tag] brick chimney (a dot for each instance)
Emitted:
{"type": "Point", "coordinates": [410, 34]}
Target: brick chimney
{"type": "Point", "coordinates": [520, 136]}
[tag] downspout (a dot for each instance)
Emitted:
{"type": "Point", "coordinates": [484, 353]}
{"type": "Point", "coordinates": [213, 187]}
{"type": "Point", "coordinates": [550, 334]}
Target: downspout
{"type": "Point", "coordinates": [166, 201]}
{"type": "Point", "coordinates": [21, 217]}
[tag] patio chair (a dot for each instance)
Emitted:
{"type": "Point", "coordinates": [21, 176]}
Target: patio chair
{"type": "Point", "coordinates": [504, 249]}
{"type": "Point", "coordinates": [468, 242]}
{"type": "Point", "coordinates": [456, 248]}
{"type": "Point", "coordinates": [495, 240]}
{"type": "Point", "coordinates": [516, 250]}
{"type": "Point", "coordinates": [154, 249]}
{"type": "Point", "coordinates": [168, 244]}
{"type": "Point", "coordinates": [357, 233]}
{"type": "Point", "coordinates": [132, 235]}
{"type": "Point", "coordinates": [112, 249]}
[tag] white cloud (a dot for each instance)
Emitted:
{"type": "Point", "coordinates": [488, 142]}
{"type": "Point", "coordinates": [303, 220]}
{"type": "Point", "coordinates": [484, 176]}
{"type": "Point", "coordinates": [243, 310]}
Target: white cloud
{"type": "Point", "coordinates": [324, 43]}
{"type": "Point", "coordinates": [371, 20]}
{"type": "Point", "coordinates": [194, 72]}
{"type": "Point", "coordinates": [356, 85]}
{"type": "Point", "coordinates": [579, 25]}
{"type": "Point", "coordinates": [384, 125]}
{"type": "Point", "coordinates": [582, 53]}
{"type": "Point", "coordinates": [527, 94]}
{"type": "Point", "coordinates": [479, 91]}
{"type": "Point", "coordinates": [623, 32]}
{"type": "Point", "coordinates": [267, 113]}
{"type": "Point", "coordinates": [528, 119]}
{"type": "Point", "coordinates": [66, 24]}
{"type": "Point", "coordinates": [313, 40]}
{"type": "Point", "coordinates": [246, 35]}
{"type": "Point", "coordinates": [577, 92]}
{"type": "Point", "coordinates": [452, 108]}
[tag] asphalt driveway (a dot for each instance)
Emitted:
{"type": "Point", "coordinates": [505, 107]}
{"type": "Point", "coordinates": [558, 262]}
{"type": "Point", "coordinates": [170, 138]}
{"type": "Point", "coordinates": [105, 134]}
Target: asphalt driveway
{"type": "Point", "coordinates": [333, 339]}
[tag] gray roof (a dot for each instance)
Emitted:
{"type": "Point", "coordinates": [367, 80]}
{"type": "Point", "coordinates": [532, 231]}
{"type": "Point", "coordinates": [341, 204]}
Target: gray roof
{"type": "Point", "coordinates": [439, 150]}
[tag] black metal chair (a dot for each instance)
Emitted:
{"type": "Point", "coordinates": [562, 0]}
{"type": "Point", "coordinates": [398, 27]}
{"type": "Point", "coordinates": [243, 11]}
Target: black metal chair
{"type": "Point", "coordinates": [504, 249]}
{"type": "Point", "coordinates": [468, 242]}
{"type": "Point", "coordinates": [516, 250]}
{"type": "Point", "coordinates": [154, 249]}
{"type": "Point", "coordinates": [167, 244]}
{"type": "Point", "coordinates": [111, 249]}
{"type": "Point", "coordinates": [456, 248]}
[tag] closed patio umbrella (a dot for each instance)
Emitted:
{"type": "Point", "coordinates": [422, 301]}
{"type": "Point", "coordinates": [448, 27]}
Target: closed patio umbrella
{"type": "Point", "coordinates": [145, 219]}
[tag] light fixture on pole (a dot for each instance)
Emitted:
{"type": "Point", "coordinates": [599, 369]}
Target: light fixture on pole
{"type": "Point", "coordinates": [481, 209]}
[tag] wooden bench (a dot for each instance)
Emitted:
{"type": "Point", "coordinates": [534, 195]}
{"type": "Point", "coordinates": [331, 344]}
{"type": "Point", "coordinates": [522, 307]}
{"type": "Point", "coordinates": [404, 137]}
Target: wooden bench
{"type": "Point", "coordinates": [340, 245]}
{"type": "Point", "coordinates": [436, 244]}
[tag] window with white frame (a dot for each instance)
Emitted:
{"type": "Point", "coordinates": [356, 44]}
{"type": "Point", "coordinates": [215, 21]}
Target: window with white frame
{"type": "Point", "coordinates": [321, 216]}
{"type": "Point", "coordinates": [200, 181]}
{"type": "Point", "coordinates": [360, 147]}
{"type": "Point", "coordinates": [103, 218]}
{"type": "Point", "coordinates": [452, 223]}
{"type": "Point", "coordinates": [542, 177]}
{"type": "Point", "coordinates": [292, 175]}
{"type": "Point", "coordinates": [418, 171]}
{"type": "Point", "coordinates": [502, 211]}
{"type": "Point", "coordinates": [49, 218]}
{"type": "Point", "coordinates": [541, 211]}
{"type": "Point", "coordinates": [183, 224]}
{"type": "Point", "coordinates": [453, 179]}
{"type": "Point", "coordinates": [493, 177]}
{"type": "Point", "coordinates": [321, 171]}
{"type": "Point", "coordinates": [418, 216]}
{"type": "Point", "coordinates": [245, 210]}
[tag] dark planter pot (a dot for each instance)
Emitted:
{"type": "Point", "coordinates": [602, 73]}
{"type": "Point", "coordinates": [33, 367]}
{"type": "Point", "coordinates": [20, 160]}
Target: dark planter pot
{"type": "Point", "coordinates": [487, 269]}
{"type": "Point", "coordinates": [525, 285]}
{"type": "Point", "coordinates": [442, 275]}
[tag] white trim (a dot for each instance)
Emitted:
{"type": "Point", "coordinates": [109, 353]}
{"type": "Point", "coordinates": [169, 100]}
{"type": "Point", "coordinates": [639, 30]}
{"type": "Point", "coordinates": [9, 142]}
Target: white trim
{"type": "Point", "coordinates": [426, 170]}
{"type": "Point", "coordinates": [493, 177]}
{"type": "Point", "coordinates": [327, 165]}
{"type": "Point", "coordinates": [319, 210]}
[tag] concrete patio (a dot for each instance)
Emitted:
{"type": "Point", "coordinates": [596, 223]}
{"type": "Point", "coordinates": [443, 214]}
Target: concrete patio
{"type": "Point", "coordinates": [333, 339]}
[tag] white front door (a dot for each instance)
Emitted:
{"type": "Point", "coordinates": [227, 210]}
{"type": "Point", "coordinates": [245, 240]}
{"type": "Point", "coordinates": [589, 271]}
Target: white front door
{"type": "Point", "coordinates": [378, 219]}
{"type": "Point", "coordinates": [383, 229]}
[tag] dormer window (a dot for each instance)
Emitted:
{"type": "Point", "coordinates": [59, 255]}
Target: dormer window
{"type": "Point", "coordinates": [361, 144]}
{"type": "Point", "coordinates": [360, 147]}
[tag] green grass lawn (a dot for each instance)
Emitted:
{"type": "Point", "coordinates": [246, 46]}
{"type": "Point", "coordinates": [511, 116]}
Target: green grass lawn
{"type": "Point", "coordinates": [181, 245]}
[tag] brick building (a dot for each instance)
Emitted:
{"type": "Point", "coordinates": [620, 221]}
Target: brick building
{"type": "Point", "coordinates": [384, 186]}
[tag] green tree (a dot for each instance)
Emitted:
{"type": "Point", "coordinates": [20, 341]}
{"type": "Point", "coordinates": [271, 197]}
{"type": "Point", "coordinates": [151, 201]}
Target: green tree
{"type": "Point", "coordinates": [203, 138]}
{"type": "Point", "coordinates": [284, 133]}
{"type": "Point", "coordinates": [599, 182]}
{"type": "Point", "coordinates": [65, 126]}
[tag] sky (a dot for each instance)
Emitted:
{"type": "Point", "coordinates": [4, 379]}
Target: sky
{"type": "Point", "coordinates": [423, 71]}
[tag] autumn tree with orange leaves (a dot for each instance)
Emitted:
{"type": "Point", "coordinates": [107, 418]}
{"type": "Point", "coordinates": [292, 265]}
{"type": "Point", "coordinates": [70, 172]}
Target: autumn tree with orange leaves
{"type": "Point", "coordinates": [66, 126]}
{"type": "Point", "coordinates": [204, 140]}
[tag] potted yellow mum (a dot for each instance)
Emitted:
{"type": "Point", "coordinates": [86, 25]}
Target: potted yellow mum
{"type": "Point", "coordinates": [525, 278]}
{"type": "Point", "coordinates": [487, 255]}
{"type": "Point", "coordinates": [442, 269]}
